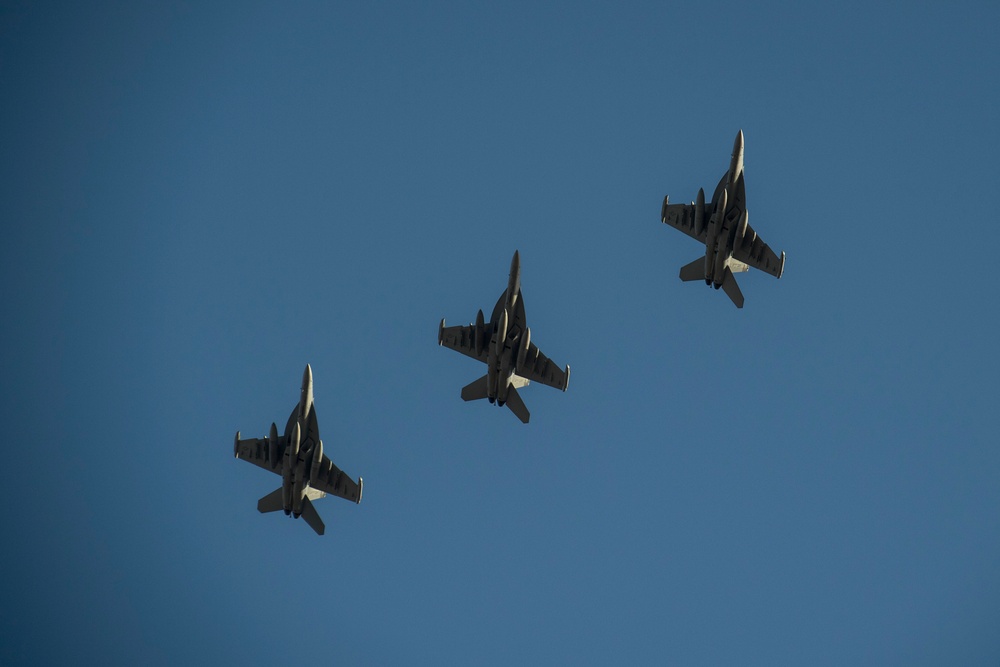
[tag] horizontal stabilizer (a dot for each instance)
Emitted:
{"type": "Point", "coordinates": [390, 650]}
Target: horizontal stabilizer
{"type": "Point", "coordinates": [271, 502]}
{"type": "Point", "coordinates": [731, 288]}
{"type": "Point", "coordinates": [312, 517]}
{"type": "Point", "coordinates": [693, 271]}
{"type": "Point", "coordinates": [516, 405]}
{"type": "Point", "coordinates": [474, 390]}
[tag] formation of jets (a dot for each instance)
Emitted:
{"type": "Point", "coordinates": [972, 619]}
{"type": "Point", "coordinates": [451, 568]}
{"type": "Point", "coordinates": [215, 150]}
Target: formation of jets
{"type": "Point", "coordinates": [504, 344]}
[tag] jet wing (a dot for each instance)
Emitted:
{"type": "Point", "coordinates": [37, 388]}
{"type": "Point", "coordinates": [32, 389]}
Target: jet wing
{"type": "Point", "coordinates": [539, 368]}
{"type": "Point", "coordinates": [334, 481]}
{"type": "Point", "coordinates": [463, 339]}
{"type": "Point", "coordinates": [681, 216]}
{"type": "Point", "coordinates": [754, 252]}
{"type": "Point", "coordinates": [256, 451]}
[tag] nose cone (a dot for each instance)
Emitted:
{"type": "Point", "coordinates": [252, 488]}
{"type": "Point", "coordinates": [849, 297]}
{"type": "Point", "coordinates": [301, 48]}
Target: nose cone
{"type": "Point", "coordinates": [306, 398]}
{"type": "Point", "coordinates": [736, 164]}
{"type": "Point", "coordinates": [514, 280]}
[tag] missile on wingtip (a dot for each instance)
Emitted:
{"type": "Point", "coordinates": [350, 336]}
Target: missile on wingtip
{"type": "Point", "coordinates": [514, 280]}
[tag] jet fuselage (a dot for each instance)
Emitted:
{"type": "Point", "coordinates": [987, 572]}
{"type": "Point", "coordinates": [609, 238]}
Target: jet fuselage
{"type": "Point", "coordinates": [304, 452]}
{"type": "Point", "coordinates": [502, 353]}
{"type": "Point", "coordinates": [722, 228]}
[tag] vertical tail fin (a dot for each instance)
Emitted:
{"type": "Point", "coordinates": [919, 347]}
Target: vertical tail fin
{"type": "Point", "coordinates": [474, 390]}
{"type": "Point", "coordinates": [516, 405]}
{"type": "Point", "coordinates": [312, 517]}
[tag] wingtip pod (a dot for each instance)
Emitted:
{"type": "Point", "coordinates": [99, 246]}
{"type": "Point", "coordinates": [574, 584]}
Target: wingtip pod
{"type": "Point", "coordinates": [663, 209]}
{"type": "Point", "coordinates": [361, 489]}
{"type": "Point", "coordinates": [441, 332]}
{"type": "Point", "coordinates": [236, 445]}
{"type": "Point", "coordinates": [781, 268]}
{"type": "Point", "coordinates": [566, 386]}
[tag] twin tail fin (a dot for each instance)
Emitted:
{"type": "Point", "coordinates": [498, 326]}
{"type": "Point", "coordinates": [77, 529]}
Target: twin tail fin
{"type": "Point", "coordinates": [477, 390]}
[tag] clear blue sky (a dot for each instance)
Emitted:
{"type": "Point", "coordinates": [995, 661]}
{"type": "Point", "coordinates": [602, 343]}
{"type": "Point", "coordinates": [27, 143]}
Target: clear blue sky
{"type": "Point", "coordinates": [197, 201]}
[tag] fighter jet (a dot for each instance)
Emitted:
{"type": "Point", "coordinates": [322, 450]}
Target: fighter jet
{"type": "Point", "coordinates": [504, 345]}
{"type": "Point", "coordinates": [731, 244]}
{"type": "Point", "coordinates": [306, 472]}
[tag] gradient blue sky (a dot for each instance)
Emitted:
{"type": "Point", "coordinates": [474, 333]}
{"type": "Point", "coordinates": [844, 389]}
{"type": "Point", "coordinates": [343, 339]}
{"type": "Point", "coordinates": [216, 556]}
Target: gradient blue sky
{"type": "Point", "coordinates": [197, 200]}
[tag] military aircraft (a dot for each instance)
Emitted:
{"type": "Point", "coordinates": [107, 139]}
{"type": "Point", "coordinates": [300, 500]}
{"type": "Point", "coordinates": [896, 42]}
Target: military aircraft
{"type": "Point", "coordinates": [731, 244]}
{"type": "Point", "coordinates": [306, 472]}
{"type": "Point", "coordinates": [504, 345]}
